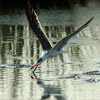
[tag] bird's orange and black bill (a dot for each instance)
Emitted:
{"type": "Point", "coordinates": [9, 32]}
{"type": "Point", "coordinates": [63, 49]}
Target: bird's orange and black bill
{"type": "Point", "coordinates": [34, 66]}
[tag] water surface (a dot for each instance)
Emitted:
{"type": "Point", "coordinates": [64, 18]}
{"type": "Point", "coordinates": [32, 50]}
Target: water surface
{"type": "Point", "coordinates": [64, 77]}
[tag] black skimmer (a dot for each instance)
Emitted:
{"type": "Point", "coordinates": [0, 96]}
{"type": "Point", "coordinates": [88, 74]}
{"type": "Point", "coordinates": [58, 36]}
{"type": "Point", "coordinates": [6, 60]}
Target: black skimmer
{"type": "Point", "coordinates": [49, 51]}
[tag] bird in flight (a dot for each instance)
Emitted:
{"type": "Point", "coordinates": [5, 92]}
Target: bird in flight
{"type": "Point", "coordinates": [48, 50]}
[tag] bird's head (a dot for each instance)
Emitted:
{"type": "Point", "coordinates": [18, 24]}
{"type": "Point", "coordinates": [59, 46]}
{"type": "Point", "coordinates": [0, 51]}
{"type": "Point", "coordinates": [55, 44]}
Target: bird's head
{"type": "Point", "coordinates": [39, 61]}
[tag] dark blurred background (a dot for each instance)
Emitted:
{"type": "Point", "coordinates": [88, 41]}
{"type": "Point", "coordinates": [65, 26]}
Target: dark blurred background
{"type": "Point", "coordinates": [48, 4]}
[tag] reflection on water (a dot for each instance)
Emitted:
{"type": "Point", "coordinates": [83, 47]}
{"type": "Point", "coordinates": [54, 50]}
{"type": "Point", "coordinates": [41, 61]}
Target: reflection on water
{"type": "Point", "coordinates": [57, 80]}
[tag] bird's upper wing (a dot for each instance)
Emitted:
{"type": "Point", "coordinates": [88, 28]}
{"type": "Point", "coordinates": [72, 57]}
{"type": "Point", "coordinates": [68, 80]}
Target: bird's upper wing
{"type": "Point", "coordinates": [36, 27]}
{"type": "Point", "coordinates": [59, 45]}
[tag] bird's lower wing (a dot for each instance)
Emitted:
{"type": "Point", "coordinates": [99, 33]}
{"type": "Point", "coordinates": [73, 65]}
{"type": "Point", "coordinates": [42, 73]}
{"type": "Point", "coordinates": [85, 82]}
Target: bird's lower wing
{"type": "Point", "coordinates": [64, 41]}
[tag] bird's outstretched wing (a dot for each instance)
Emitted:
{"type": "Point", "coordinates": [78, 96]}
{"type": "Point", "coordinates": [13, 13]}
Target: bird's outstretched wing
{"type": "Point", "coordinates": [36, 27]}
{"type": "Point", "coordinates": [59, 45]}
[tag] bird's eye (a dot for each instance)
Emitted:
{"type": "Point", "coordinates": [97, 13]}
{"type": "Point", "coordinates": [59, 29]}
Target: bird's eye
{"type": "Point", "coordinates": [40, 59]}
